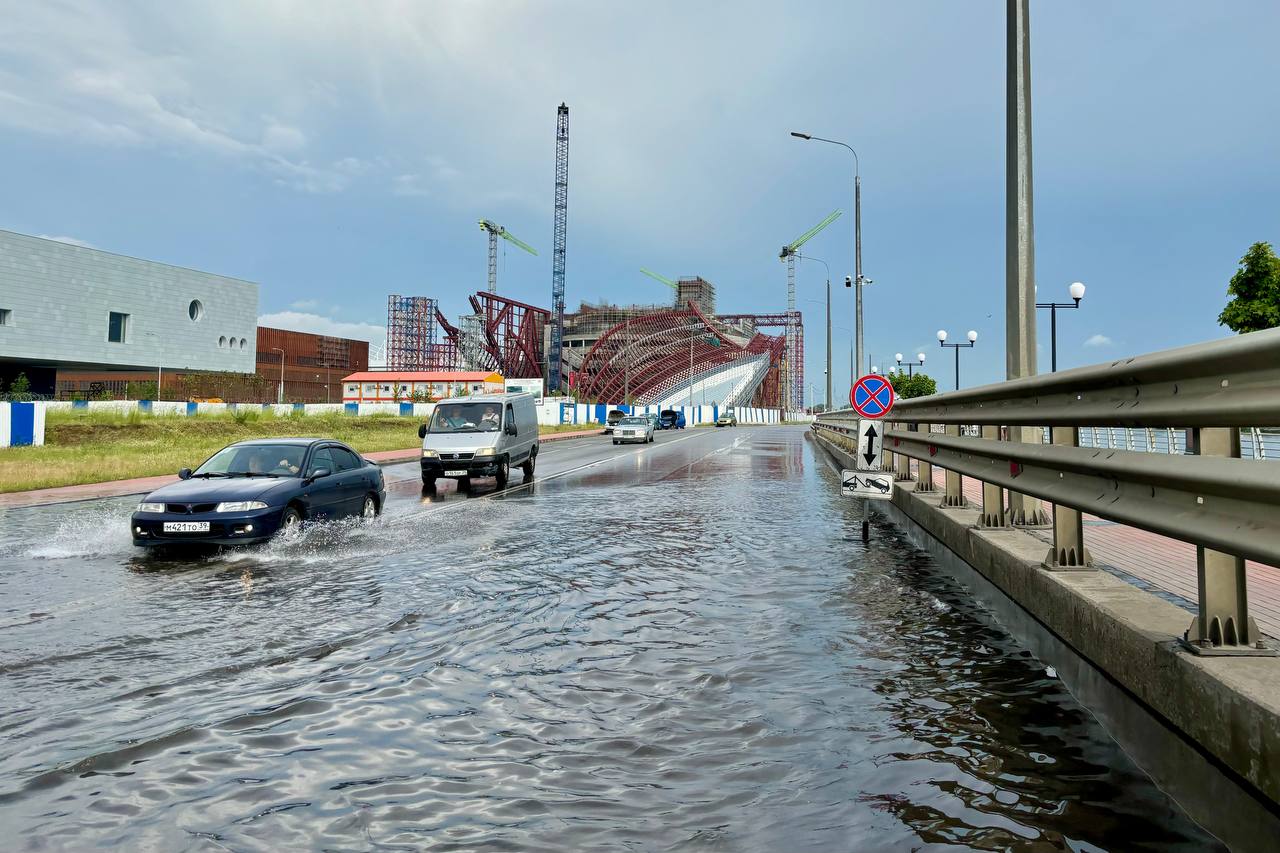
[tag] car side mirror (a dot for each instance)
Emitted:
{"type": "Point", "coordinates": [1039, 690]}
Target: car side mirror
{"type": "Point", "coordinates": [184, 474]}
{"type": "Point", "coordinates": [422, 430]}
{"type": "Point", "coordinates": [511, 430]}
{"type": "Point", "coordinates": [317, 474]}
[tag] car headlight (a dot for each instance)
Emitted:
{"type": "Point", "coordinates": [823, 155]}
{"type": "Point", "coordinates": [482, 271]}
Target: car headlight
{"type": "Point", "coordinates": [430, 454]}
{"type": "Point", "coordinates": [485, 451]}
{"type": "Point", "coordinates": [150, 506]}
{"type": "Point", "coordinates": [239, 506]}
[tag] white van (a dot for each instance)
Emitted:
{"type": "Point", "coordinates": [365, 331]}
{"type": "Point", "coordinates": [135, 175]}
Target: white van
{"type": "Point", "coordinates": [480, 436]}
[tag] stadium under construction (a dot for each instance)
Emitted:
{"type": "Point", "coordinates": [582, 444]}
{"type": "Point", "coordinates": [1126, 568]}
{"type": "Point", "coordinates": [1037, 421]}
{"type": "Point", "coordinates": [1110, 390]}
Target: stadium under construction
{"type": "Point", "coordinates": [643, 354]}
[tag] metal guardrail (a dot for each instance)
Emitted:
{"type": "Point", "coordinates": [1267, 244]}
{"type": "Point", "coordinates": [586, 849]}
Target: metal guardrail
{"type": "Point", "coordinates": [1023, 438]}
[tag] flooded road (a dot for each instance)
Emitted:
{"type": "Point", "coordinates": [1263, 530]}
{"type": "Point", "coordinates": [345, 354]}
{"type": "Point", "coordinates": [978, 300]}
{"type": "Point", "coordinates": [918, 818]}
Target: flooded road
{"type": "Point", "coordinates": [682, 646]}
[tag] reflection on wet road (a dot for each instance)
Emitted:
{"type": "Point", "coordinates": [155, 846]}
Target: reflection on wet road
{"type": "Point", "coordinates": [679, 646]}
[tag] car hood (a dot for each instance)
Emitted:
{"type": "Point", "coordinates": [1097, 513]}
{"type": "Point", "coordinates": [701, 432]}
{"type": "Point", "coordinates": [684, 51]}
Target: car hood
{"type": "Point", "coordinates": [217, 489]}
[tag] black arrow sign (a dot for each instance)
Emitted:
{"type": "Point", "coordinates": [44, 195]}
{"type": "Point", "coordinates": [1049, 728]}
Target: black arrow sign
{"type": "Point", "coordinates": [870, 455]}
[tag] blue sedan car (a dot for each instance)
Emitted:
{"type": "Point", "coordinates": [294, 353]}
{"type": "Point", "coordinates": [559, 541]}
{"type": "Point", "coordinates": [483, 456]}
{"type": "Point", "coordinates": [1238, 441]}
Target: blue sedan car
{"type": "Point", "coordinates": [249, 491]}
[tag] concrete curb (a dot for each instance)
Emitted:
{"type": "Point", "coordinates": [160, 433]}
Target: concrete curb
{"type": "Point", "coordinates": [1229, 707]}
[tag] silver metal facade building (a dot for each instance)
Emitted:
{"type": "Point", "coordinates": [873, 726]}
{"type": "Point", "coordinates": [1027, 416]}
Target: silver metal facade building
{"type": "Point", "coordinates": [69, 307]}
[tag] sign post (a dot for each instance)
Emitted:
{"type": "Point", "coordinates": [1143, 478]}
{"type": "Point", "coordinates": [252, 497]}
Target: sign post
{"type": "Point", "coordinates": [872, 398]}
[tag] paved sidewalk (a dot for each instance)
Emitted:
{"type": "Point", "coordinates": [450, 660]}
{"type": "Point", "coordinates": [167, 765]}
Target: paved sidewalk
{"type": "Point", "coordinates": [142, 485]}
{"type": "Point", "coordinates": [1163, 564]}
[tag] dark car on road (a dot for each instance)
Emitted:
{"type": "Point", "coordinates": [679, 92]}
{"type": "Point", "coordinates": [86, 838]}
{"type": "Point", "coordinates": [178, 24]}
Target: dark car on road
{"type": "Point", "coordinates": [249, 491]}
{"type": "Point", "coordinates": [671, 419]}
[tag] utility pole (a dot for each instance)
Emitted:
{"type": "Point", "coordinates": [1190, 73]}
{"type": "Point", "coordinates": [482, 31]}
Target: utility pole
{"type": "Point", "coordinates": [1020, 254]}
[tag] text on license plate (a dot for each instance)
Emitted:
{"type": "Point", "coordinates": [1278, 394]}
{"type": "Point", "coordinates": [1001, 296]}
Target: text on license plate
{"type": "Point", "coordinates": [186, 527]}
{"type": "Point", "coordinates": [455, 473]}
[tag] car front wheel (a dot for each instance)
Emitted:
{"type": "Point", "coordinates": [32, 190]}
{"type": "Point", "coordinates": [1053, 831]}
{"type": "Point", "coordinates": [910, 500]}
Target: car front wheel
{"type": "Point", "coordinates": [290, 522]}
{"type": "Point", "coordinates": [370, 508]}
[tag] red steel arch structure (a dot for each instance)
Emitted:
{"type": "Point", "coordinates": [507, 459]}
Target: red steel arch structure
{"type": "Point", "coordinates": [648, 356]}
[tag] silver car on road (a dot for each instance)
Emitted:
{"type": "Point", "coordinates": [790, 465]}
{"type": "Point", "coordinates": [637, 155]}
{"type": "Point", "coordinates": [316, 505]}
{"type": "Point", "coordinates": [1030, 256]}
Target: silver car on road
{"type": "Point", "coordinates": [633, 429]}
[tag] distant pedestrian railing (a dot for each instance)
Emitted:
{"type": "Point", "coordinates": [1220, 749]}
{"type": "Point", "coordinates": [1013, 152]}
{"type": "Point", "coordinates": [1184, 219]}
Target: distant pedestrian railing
{"type": "Point", "coordinates": [1172, 442]}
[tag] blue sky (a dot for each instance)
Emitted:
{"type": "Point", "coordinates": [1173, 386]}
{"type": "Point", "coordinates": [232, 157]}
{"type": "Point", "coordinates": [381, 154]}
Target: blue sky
{"type": "Point", "coordinates": [336, 152]}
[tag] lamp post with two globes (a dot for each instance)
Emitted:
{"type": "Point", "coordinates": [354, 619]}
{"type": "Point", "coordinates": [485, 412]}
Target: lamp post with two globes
{"type": "Point", "coordinates": [942, 341]}
{"type": "Point", "coordinates": [909, 364]}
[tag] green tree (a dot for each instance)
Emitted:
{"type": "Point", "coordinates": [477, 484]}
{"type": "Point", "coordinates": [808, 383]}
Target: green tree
{"type": "Point", "coordinates": [20, 389]}
{"type": "Point", "coordinates": [1255, 292]}
{"type": "Point", "coordinates": [915, 385]}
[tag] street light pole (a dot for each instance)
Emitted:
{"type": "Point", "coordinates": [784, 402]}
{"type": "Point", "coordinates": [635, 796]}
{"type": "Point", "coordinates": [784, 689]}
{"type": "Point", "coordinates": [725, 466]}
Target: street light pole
{"type": "Point", "coordinates": [859, 280]}
{"type": "Point", "coordinates": [1077, 293]}
{"type": "Point", "coordinates": [280, 391]}
{"type": "Point", "coordinates": [942, 341]}
{"type": "Point", "coordinates": [909, 364]}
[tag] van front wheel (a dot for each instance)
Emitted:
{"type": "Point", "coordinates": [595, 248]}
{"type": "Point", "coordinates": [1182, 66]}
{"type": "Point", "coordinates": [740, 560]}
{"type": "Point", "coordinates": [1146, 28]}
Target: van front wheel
{"type": "Point", "coordinates": [527, 466]}
{"type": "Point", "coordinates": [504, 472]}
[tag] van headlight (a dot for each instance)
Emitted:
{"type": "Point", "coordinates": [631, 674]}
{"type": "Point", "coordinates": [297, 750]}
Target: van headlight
{"type": "Point", "coordinates": [485, 451]}
{"type": "Point", "coordinates": [430, 454]}
{"type": "Point", "coordinates": [239, 506]}
{"type": "Point", "coordinates": [150, 506]}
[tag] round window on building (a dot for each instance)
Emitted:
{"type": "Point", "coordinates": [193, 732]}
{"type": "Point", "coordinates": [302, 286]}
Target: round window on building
{"type": "Point", "coordinates": [243, 343]}
{"type": "Point", "coordinates": [222, 341]}
{"type": "Point", "coordinates": [195, 310]}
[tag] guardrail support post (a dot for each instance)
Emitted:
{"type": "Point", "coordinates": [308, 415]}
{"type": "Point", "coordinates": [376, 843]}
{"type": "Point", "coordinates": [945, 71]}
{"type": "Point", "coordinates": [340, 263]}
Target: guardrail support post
{"type": "Point", "coordinates": [1223, 625]}
{"type": "Point", "coordinates": [902, 462]}
{"type": "Point", "coordinates": [954, 495]}
{"type": "Point", "coordinates": [1068, 550]}
{"type": "Point", "coordinates": [924, 470]}
{"type": "Point", "coordinates": [886, 455]}
{"type": "Point", "coordinates": [992, 495]}
{"type": "Point", "coordinates": [1024, 510]}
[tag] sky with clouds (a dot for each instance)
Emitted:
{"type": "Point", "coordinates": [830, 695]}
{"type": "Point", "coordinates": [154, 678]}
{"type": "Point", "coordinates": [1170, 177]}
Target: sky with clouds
{"type": "Point", "coordinates": [335, 152]}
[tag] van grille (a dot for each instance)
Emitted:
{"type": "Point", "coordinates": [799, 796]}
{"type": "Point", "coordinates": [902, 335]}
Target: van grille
{"type": "Point", "coordinates": [456, 457]}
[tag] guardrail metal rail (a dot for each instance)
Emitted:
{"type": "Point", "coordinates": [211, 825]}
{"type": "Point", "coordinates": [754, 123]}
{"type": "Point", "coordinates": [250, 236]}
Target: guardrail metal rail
{"type": "Point", "coordinates": [1225, 505]}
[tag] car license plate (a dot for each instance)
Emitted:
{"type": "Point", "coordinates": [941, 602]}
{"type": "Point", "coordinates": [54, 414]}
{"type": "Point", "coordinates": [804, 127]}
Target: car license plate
{"type": "Point", "coordinates": [186, 527]}
{"type": "Point", "coordinates": [455, 473]}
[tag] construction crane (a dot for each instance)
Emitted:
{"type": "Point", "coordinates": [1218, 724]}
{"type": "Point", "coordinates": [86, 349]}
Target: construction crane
{"type": "Point", "coordinates": [560, 227]}
{"type": "Point", "coordinates": [790, 251]}
{"type": "Point", "coordinates": [495, 231]}
{"type": "Point", "coordinates": [794, 381]}
{"type": "Point", "coordinates": [662, 278]}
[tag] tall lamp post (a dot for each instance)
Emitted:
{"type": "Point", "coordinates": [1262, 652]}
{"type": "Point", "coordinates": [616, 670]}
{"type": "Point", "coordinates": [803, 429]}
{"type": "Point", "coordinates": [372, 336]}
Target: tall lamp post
{"type": "Point", "coordinates": [942, 341]}
{"type": "Point", "coordinates": [1077, 293]}
{"type": "Point", "coordinates": [280, 390]}
{"type": "Point", "coordinates": [828, 269]}
{"type": "Point", "coordinates": [859, 280]}
{"type": "Point", "coordinates": [909, 364]}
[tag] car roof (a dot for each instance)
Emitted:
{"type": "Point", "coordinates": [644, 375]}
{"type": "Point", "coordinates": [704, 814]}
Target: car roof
{"type": "Point", "coordinates": [484, 398]}
{"type": "Point", "coordinates": [299, 442]}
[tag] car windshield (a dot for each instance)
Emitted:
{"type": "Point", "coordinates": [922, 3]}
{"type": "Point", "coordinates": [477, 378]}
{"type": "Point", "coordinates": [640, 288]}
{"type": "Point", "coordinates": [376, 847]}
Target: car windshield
{"type": "Point", "coordinates": [254, 460]}
{"type": "Point", "coordinates": [634, 422]}
{"type": "Point", "coordinates": [466, 417]}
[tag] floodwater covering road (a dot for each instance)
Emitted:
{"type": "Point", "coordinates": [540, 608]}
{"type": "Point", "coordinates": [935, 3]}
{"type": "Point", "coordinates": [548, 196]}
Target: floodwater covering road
{"type": "Point", "coordinates": [680, 646]}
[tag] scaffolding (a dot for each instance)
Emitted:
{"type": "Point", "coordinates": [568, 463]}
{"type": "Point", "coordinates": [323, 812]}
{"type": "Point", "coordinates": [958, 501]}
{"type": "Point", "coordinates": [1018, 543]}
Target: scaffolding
{"type": "Point", "coordinates": [411, 332]}
{"type": "Point", "coordinates": [697, 290]}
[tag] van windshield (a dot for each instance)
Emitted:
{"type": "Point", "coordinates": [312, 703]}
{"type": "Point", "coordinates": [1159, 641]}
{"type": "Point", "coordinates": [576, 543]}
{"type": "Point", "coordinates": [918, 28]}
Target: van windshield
{"type": "Point", "coordinates": [466, 417]}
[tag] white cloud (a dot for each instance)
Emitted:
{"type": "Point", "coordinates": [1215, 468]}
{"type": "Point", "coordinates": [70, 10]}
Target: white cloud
{"type": "Point", "coordinates": [408, 185]}
{"type": "Point", "coordinates": [72, 240]}
{"type": "Point", "coordinates": [305, 305]}
{"type": "Point", "coordinates": [1098, 341]}
{"type": "Point", "coordinates": [282, 137]}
